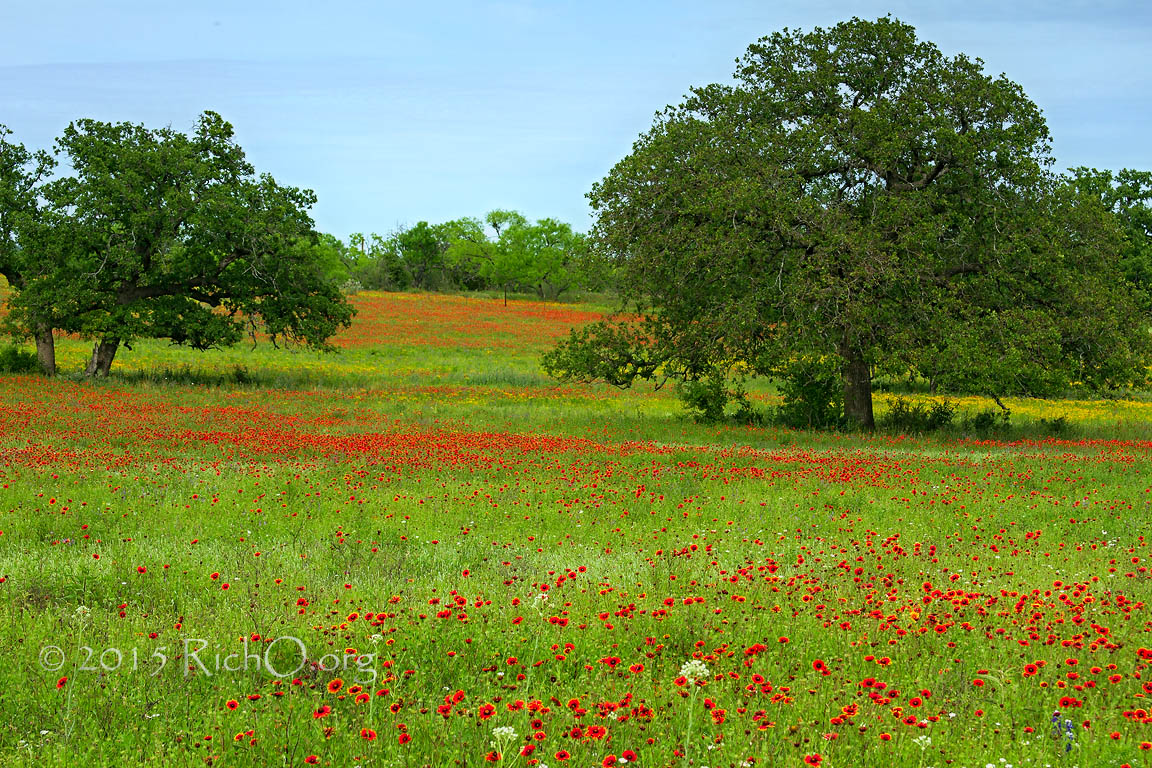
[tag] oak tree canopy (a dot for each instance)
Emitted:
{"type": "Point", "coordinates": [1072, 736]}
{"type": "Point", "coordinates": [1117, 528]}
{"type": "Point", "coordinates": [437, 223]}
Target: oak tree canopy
{"type": "Point", "coordinates": [159, 234]}
{"type": "Point", "coordinates": [857, 194]}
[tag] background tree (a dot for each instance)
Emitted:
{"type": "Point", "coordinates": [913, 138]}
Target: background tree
{"type": "Point", "coordinates": [161, 234]}
{"type": "Point", "coordinates": [422, 249]}
{"type": "Point", "coordinates": [376, 263]}
{"type": "Point", "coordinates": [22, 174]}
{"type": "Point", "coordinates": [471, 253]}
{"type": "Point", "coordinates": [512, 252]}
{"type": "Point", "coordinates": [506, 265]}
{"type": "Point", "coordinates": [550, 253]}
{"type": "Point", "coordinates": [855, 193]}
{"type": "Point", "coordinates": [332, 258]}
{"type": "Point", "coordinates": [504, 251]}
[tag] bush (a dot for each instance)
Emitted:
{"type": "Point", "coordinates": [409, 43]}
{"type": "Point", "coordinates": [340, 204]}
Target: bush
{"type": "Point", "coordinates": [745, 414]}
{"type": "Point", "coordinates": [813, 394]}
{"type": "Point", "coordinates": [16, 360]}
{"type": "Point", "coordinates": [351, 286]}
{"type": "Point", "coordinates": [705, 397]}
{"type": "Point", "coordinates": [987, 420]}
{"type": "Point", "coordinates": [242, 376]}
{"type": "Point", "coordinates": [708, 397]}
{"type": "Point", "coordinates": [1059, 426]}
{"type": "Point", "coordinates": [910, 417]}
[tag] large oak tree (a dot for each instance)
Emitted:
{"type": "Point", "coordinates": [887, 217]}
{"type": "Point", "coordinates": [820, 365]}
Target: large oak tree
{"type": "Point", "coordinates": [159, 234]}
{"type": "Point", "coordinates": [856, 193]}
{"type": "Point", "coordinates": [22, 175]}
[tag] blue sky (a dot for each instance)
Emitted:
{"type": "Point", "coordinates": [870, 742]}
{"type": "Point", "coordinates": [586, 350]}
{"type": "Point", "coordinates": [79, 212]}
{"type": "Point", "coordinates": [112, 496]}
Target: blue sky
{"type": "Point", "coordinates": [397, 112]}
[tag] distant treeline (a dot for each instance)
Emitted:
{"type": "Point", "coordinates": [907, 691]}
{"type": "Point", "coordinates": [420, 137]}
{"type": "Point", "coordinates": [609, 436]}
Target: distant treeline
{"type": "Point", "coordinates": [504, 252]}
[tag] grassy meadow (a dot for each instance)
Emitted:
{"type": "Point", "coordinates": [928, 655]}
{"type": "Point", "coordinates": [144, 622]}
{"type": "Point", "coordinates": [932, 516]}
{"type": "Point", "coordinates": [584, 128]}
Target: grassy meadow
{"type": "Point", "coordinates": [422, 551]}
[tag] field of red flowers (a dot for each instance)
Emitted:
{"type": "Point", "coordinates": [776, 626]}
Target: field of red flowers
{"type": "Point", "coordinates": [244, 576]}
{"type": "Point", "coordinates": [458, 321]}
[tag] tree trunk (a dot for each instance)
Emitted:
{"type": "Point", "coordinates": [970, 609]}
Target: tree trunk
{"type": "Point", "coordinates": [103, 352]}
{"type": "Point", "coordinates": [857, 390]}
{"type": "Point", "coordinates": [46, 348]}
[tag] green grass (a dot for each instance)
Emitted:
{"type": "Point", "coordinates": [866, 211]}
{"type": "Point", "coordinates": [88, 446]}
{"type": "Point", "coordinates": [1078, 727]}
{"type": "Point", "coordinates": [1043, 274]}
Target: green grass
{"type": "Point", "coordinates": [393, 480]}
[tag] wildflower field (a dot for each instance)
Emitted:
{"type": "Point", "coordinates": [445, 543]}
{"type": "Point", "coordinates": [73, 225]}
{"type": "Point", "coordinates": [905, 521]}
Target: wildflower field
{"type": "Point", "coordinates": [421, 551]}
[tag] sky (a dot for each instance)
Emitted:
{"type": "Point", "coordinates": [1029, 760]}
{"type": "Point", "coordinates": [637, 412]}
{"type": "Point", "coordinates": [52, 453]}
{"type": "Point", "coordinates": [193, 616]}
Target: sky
{"type": "Point", "coordinates": [397, 112]}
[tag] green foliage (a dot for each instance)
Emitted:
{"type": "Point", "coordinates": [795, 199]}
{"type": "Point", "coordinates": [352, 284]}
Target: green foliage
{"type": "Point", "coordinates": [505, 252]}
{"type": "Point", "coordinates": [746, 414]}
{"type": "Point", "coordinates": [1059, 426]}
{"type": "Point", "coordinates": [376, 263]}
{"type": "Point", "coordinates": [986, 421]}
{"type": "Point", "coordinates": [16, 360]}
{"type": "Point", "coordinates": [705, 398]}
{"type": "Point", "coordinates": [909, 417]}
{"type": "Point", "coordinates": [858, 194]}
{"type": "Point", "coordinates": [22, 174]}
{"type": "Point", "coordinates": [544, 257]}
{"type": "Point", "coordinates": [22, 239]}
{"type": "Point", "coordinates": [350, 286]}
{"type": "Point", "coordinates": [1128, 195]}
{"type": "Point", "coordinates": [329, 257]}
{"type": "Point", "coordinates": [422, 251]}
{"type": "Point", "coordinates": [165, 235]}
{"type": "Point", "coordinates": [616, 353]}
{"type": "Point", "coordinates": [469, 254]}
{"type": "Point", "coordinates": [812, 393]}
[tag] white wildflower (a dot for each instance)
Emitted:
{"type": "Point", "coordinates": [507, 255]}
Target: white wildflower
{"type": "Point", "coordinates": [503, 736]}
{"type": "Point", "coordinates": [694, 670]}
{"type": "Point", "coordinates": [504, 733]}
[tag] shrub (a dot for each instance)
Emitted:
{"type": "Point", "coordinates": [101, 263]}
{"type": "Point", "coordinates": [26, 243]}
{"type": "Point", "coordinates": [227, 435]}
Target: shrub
{"type": "Point", "coordinates": [911, 417]}
{"type": "Point", "coordinates": [812, 392]}
{"type": "Point", "coordinates": [350, 286]}
{"type": "Point", "coordinates": [708, 397]}
{"type": "Point", "coordinates": [745, 413]}
{"type": "Point", "coordinates": [1059, 425]}
{"type": "Point", "coordinates": [16, 360]}
{"type": "Point", "coordinates": [705, 398]}
{"type": "Point", "coordinates": [241, 375]}
{"type": "Point", "coordinates": [987, 420]}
